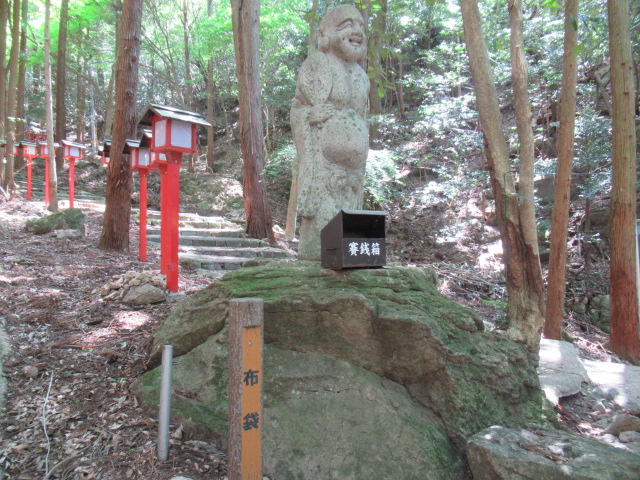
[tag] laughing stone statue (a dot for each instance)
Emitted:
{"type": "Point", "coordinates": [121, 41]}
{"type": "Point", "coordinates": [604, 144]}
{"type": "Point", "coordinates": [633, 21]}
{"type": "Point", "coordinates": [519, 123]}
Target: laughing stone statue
{"type": "Point", "coordinates": [329, 127]}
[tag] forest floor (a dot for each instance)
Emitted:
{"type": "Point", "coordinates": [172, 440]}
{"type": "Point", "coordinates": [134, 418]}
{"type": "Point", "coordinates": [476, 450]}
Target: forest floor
{"type": "Point", "coordinates": [69, 411]}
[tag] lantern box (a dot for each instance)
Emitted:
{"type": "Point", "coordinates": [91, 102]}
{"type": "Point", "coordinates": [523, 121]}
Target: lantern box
{"type": "Point", "coordinates": [44, 148]}
{"type": "Point", "coordinates": [172, 130]}
{"type": "Point", "coordinates": [72, 149]}
{"type": "Point", "coordinates": [3, 144]}
{"type": "Point", "coordinates": [105, 150]}
{"type": "Point", "coordinates": [29, 149]}
{"type": "Point", "coordinates": [140, 156]}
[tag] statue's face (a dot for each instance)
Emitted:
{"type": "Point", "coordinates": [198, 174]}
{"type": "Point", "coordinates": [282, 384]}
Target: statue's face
{"type": "Point", "coordinates": [346, 35]}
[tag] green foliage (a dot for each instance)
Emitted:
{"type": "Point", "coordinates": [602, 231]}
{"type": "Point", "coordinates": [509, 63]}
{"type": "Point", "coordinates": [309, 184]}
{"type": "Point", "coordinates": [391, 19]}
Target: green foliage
{"type": "Point", "coordinates": [278, 168]}
{"type": "Point", "coordinates": [592, 153]}
{"type": "Point", "coordinates": [382, 179]}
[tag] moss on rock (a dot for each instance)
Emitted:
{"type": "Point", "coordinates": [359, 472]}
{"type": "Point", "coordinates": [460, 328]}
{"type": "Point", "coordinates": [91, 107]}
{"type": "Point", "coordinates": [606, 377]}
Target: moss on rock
{"type": "Point", "coordinates": [71, 218]}
{"type": "Point", "coordinates": [370, 351]}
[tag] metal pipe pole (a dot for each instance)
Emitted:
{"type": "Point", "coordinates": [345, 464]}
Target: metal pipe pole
{"type": "Point", "coordinates": [165, 403]}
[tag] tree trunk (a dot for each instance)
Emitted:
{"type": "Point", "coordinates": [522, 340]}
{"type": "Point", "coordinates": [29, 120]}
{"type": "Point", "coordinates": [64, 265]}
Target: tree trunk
{"type": "Point", "coordinates": [80, 97]}
{"type": "Point", "coordinates": [61, 83]}
{"type": "Point", "coordinates": [188, 82]}
{"type": "Point", "coordinates": [110, 104]}
{"type": "Point", "coordinates": [115, 228]}
{"type": "Point", "coordinates": [313, 28]}
{"type": "Point", "coordinates": [4, 14]}
{"type": "Point", "coordinates": [8, 182]}
{"type": "Point", "coordinates": [556, 286]}
{"type": "Point", "coordinates": [376, 35]}
{"type": "Point", "coordinates": [210, 104]}
{"type": "Point", "coordinates": [525, 201]}
{"type": "Point", "coordinates": [400, 89]}
{"type": "Point", "coordinates": [524, 281]}
{"type": "Point", "coordinates": [22, 70]}
{"type": "Point", "coordinates": [246, 35]}
{"type": "Point", "coordinates": [53, 176]}
{"type": "Point", "coordinates": [624, 297]}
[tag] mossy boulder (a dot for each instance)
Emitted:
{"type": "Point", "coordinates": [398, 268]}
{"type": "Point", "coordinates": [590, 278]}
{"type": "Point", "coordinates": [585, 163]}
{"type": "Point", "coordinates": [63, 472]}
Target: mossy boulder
{"type": "Point", "coordinates": [368, 373]}
{"type": "Point", "coordinates": [68, 219]}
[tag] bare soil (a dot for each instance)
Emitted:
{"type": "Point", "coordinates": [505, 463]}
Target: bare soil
{"type": "Point", "coordinates": [69, 411]}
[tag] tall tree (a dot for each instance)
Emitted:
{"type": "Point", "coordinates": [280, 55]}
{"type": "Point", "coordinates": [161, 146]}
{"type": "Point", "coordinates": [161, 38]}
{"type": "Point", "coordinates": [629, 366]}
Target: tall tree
{"type": "Point", "coordinates": [61, 82]}
{"type": "Point", "coordinates": [115, 227]}
{"type": "Point", "coordinates": [22, 68]}
{"type": "Point", "coordinates": [4, 14]}
{"type": "Point", "coordinates": [246, 39]}
{"type": "Point", "coordinates": [53, 175]}
{"type": "Point", "coordinates": [210, 102]}
{"type": "Point", "coordinates": [376, 72]}
{"type": "Point", "coordinates": [523, 276]}
{"type": "Point", "coordinates": [625, 339]}
{"type": "Point", "coordinates": [188, 81]}
{"type": "Point", "coordinates": [560, 217]}
{"type": "Point", "coordinates": [116, 6]}
{"type": "Point", "coordinates": [81, 88]}
{"type": "Point", "coordinates": [8, 181]}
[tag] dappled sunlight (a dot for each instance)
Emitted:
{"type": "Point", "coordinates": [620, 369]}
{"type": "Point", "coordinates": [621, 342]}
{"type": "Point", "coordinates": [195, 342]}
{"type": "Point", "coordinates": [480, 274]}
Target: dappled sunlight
{"type": "Point", "coordinates": [131, 320]}
{"type": "Point", "coordinates": [122, 324]}
{"type": "Point", "coordinates": [491, 259]}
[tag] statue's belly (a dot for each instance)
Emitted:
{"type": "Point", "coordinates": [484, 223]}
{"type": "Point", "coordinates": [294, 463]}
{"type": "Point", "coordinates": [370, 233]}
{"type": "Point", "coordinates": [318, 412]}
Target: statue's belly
{"type": "Point", "coordinates": [344, 140]}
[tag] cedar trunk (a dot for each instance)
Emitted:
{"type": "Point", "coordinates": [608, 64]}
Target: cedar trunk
{"type": "Point", "coordinates": [624, 296]}
{"type": "Point", "coordinates": [53, 176]}
{"type": "Point", "coordinates": [560, 216]}
{"type": "Point", "coordinates": [61, 83]}
{"type": "Point", "coordinates": [246, 35]}
{"type": "Point", "coordinates": [522, 266]}
{"type": "Point", "coordinates": [115, 228]}
{"type": "Point", "coordinates": [22, 69]}
{"type": "Point", "coordinates": [210, 104]}
{"type": "Point", "coordinates": [8, 182]}
{"type": "Point", "coordinates": [4, 13]}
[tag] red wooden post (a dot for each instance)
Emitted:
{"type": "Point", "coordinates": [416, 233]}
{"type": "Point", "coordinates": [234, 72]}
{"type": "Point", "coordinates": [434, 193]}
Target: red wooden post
{"type": "Point", "coordinates": [29, 176]}
{"type": "Point", "coordinates": [46, 178]}
{"type": "Point", "coordinates": [144, 174]}
{"type": "Point", "coordinates": [169, 218]}
{"type": "Point", "coordinates": [72, 179]}
{"type": "Point", "coordinates": [246, 379]}
{"type": "Point", "coordinates": [164, 246]}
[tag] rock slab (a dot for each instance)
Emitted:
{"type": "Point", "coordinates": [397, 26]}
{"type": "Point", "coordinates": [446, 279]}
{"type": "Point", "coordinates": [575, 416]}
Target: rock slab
{"type": "Point", "coordinates": [560, 370]}
{"type": "Point", "coordinates": [68, 219]}
{"type": "Point", "coordinates": [537, 453]}
{"type": "Point", "coordinates": [368, 373]}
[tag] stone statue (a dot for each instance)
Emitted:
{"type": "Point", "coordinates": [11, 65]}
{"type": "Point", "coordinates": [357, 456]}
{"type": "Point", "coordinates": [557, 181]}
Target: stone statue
{"type": "Point", "coordinates": [329, 127]}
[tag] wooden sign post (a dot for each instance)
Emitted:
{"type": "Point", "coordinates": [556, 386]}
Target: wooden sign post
{"type": "Point", "coordinates": [246, 319]}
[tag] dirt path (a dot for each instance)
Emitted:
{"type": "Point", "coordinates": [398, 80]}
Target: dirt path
{"type": "Point", "coordinates": [69, 412]}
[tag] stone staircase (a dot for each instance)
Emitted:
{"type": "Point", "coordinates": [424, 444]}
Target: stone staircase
{"type": "Point", "coordinates": [211, 245]}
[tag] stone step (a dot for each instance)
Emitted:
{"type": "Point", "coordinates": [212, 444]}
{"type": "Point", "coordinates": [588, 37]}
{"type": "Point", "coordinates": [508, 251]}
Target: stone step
{"type": "Point", "coordinates": [206, 262]}
{"type": "Point", "coordinates": [231, 232]}
{"type": "Point", "coordinates": [209, 241]}
{"type": "Point", "coordinates": [190, 217]}
{"type": "Point", "coordinates": [242, 252]}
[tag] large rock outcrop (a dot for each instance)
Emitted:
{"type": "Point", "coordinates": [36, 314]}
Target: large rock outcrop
{"type": "Point", "coordinates": [538, 453]}
{"type": "Point", "coordinates": [368, 373]}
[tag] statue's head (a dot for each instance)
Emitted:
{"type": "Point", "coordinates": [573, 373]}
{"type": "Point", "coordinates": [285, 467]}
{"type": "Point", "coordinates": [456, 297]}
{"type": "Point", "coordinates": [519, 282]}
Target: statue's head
{"type": "Point", "coordinates": [341, 31]}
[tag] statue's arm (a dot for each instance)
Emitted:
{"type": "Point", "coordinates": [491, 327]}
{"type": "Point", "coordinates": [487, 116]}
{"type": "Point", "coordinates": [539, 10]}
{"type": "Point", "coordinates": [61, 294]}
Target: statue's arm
{"type": "Point", "coordinates": [314, 87]}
